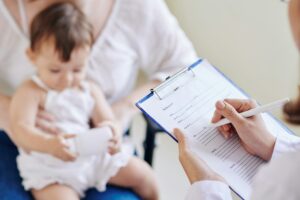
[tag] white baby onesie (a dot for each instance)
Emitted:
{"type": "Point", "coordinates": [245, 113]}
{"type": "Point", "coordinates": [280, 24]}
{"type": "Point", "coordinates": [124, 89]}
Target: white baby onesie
{"type": "Point", "coordinates": [72, 109]}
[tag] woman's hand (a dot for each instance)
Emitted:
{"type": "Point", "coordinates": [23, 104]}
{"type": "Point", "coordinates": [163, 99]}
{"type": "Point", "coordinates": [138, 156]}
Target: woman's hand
{"type": "Point", "coordinates": [45, 122]}
{"type": "Point", "coordinates": [58, 147]}
{"type": "Point", "coordinates": [195, 168]}
{"type": "Point", "coordinates": [252, 131]}
{"type": "Point", "coordinates": [124, 111]}
{"type": "Point", "coordinates": [115, 142]}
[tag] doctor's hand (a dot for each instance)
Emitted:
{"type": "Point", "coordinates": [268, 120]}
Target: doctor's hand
{"type": "Point", "coordinates": [252, 131]}
{"type": "Point", "coordinates": [195, 168]}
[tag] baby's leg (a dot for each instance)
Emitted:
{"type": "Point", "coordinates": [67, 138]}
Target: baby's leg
{"type": "Point", "coordinates": [139, 176]}
{"type": "Point", "coordinates": [55, 191]}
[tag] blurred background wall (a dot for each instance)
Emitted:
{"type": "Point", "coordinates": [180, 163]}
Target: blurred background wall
{"type": "Point", "coordinates": [249, 40]}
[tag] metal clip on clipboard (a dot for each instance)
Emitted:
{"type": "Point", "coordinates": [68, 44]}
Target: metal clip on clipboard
{"type": "Point", "coordinates": [173, 83]}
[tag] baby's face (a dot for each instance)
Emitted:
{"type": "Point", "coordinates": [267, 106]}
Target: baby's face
{"type": "Point", "coordinates": [56, 74]}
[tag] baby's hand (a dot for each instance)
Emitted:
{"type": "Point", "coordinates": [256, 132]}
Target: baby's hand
{"type": "Point", "coordinates": [59, 148]}
{"type": "Point", "coordinates": [114, 145]}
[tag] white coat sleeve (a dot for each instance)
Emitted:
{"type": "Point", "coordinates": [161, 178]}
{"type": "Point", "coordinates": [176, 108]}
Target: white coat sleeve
{"type": "Point", "coordinates": [284, 144]}
{"type": "Point", "coordinates": [215, 190]}
{"type": "Point", "coordinates": [209, 190]}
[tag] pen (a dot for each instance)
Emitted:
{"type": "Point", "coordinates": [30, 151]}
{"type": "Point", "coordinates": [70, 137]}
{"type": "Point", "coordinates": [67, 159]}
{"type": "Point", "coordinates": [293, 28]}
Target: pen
{"type": "Point", "coordinates": [252, 112]}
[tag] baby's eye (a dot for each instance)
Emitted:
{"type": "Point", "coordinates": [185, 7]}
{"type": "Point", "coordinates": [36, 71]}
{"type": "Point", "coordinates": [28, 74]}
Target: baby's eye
{"type": "Point", "coordinates": [77, 70]}
{"type": "Point", "coordinates": [55, 71]}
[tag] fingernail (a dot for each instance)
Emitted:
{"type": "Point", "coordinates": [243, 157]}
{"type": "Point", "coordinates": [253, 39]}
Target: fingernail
{"type": "Point", "coordinates": [220, 105]}
{"type": "Point", "coordinates": [226, 128]}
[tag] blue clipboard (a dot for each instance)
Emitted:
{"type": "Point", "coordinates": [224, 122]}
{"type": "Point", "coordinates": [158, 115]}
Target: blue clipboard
{"type": "Point", "coordinates": [169, 79]}
{"type": "Point", "coordinates": [190, 68]}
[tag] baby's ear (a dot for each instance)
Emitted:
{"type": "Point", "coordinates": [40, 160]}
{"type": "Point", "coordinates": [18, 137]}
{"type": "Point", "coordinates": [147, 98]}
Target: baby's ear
{"type": "Point", "coordinates": [30, 54]}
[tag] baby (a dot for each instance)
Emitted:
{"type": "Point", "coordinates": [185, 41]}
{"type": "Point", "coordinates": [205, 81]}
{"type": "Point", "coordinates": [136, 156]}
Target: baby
{"type": "Point", "coordinates": [60, 43]}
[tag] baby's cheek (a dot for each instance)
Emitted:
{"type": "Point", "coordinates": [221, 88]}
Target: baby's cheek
{"type": "Point", "coordinates": [52, 82]}
{"type": "Point", "coordinates": [77, 81]}
{"type": "Point", "coordinates": [80, 77]}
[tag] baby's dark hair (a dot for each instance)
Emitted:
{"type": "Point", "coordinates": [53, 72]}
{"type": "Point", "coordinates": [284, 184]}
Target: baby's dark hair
{"type": "Point", "coordinates": [66, 24]}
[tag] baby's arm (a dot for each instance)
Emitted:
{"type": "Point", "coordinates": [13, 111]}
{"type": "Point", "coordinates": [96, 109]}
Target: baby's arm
{"type": "Point", "coordinates": [23, 111]}
{"type": "Point", "coordinates": [103, 116]}
{"type": "Point", "coordinates": [102, 110]}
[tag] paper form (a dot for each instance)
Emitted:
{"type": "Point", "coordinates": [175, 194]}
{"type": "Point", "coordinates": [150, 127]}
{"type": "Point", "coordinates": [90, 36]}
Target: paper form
{"type": "Point", "coordinates": [189, 105]}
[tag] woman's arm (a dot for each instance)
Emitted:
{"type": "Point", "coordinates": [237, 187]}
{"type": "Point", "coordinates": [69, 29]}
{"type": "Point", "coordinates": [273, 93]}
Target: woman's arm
{"type": "Point", "coordinates": [205, 183]}
{"type": "Point", "coordinates": [23, 111]}
{"type": "Point", "coordinates": [44, 120]}
{"type": "Point", "coordinates": [254, 137]}
{"type": "Point", "coordinates": [162, 48]}
{"type": "Point", "coordinates": [125, 108]}
{"type": "Point", "coordinates": [4, 110]}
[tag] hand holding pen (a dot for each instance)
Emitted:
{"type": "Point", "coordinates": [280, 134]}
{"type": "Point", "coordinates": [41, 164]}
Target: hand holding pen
{"type": "Point", "coordinates": [252, 112]}
{"type": "Point", "coordinates": [252, 131]}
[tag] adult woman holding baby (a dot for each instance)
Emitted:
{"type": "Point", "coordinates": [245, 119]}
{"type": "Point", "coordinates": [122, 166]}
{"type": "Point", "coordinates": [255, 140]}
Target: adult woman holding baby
{"type": "Point", "coordinates": [128, 36]}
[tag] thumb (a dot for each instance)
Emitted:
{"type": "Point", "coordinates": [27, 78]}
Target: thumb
{"type": "Point", "coordinates": [68, 136]}
{"type": "Point", "coordinates": [229, 112]}
{"type": "Point", "coordinates": [180, 138]}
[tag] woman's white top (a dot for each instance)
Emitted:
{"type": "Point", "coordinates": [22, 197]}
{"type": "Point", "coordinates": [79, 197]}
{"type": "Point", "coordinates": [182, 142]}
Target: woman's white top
{"type": "Point", "coordinates": [277, 180]}
{"type": "Point", "coordinates": [138, 35]}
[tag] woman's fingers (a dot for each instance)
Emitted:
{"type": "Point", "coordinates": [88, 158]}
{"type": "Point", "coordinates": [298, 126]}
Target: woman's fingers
{"type": "Point", "coordinates": [46, 126]}
{"type": "Point", "coordinates": [195, 168]}
{"type": "Point", "coordinates": [230, 108]}
{"type": "Point", "coordinates": [181, 140]}
{"type": "Point", "coordinates": [226, 127]}
{"type": "Point", "coordinates": [216, 117]}
{"type": "Point", "coordinates": [68, 136]}
{"type": "Point", "coordinates": [45, 116]}
{"type": "Point", "coordinates": [45, 121]}
{"type": "Point", "coordinates": [241, 105]}
{"type": "Point", "coordinates": [226, 130]}
{"type": "Point", "coordinates": [228, 111]}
